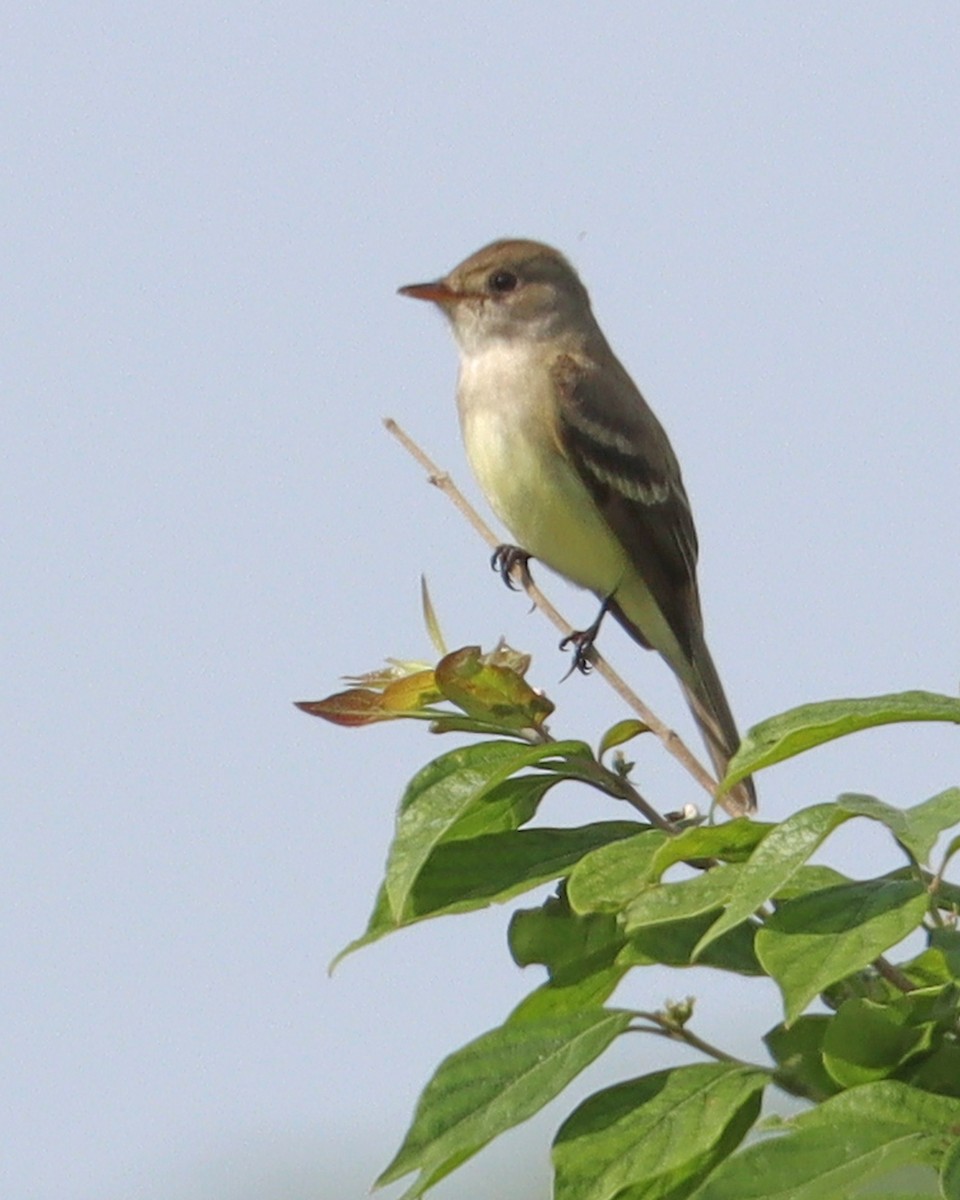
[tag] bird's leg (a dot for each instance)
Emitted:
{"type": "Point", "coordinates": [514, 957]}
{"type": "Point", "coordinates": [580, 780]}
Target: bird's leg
{"type": "Point", "coordinates": [582, 641]}
{"type": "Point", "coordinates": [504, 559]}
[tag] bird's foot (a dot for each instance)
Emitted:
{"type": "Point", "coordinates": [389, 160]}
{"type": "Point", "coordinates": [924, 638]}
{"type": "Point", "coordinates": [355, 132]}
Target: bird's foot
{"type": "Point", "coordinates": [504, 559]}
{"type": "Point", "coordinates": [582, 657]}
{"type": "Point", "coordinates": [582, 641]}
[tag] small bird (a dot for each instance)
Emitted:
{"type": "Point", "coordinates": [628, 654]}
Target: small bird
{"type": "Point", "coordinates": [575, 464]}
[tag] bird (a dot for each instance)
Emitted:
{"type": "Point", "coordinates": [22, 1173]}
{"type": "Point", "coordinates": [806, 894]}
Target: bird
{"type": "Point", "coordinates": [576, 465]}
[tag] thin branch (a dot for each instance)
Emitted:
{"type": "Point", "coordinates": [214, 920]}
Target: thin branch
{"type": "Point", "coordinates": [893, 975]}
{"type": "Point", "coordinates": [611, 784]}
{"type": "Point", "coordinates": [680, 1033]}
{"type": "Point", "coordinates": [670, 739]}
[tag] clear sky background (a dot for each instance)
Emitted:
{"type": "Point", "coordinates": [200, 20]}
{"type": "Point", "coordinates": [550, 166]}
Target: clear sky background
{"type": "Point", "coordinates": [207, 211]}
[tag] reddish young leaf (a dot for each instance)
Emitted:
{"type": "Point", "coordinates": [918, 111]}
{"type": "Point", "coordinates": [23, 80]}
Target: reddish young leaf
{"type": "Point", "coordinates": [358, 706]}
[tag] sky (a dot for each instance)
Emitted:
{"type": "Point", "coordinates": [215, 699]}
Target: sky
{"type": "Point", "coordinates": [208, 209]}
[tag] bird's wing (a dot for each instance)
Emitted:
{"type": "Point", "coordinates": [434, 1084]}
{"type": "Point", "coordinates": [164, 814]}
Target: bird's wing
{"type": "Point", "coordinates": [624, 458]}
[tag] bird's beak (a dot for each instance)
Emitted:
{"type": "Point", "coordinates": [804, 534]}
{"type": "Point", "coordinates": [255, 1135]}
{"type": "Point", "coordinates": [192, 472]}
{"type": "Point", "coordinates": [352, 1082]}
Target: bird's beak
{"type": "Point", "coordinates": [437, 291]}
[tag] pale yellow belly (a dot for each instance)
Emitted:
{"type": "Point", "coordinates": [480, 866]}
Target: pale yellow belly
{"type": "Point", "coordinates": [541, 500]}
{"type": "Point", "coordinates": [550, 514]}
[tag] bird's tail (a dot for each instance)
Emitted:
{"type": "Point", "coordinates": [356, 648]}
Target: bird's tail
{"type": "Point", "coordinates": [708, 703]}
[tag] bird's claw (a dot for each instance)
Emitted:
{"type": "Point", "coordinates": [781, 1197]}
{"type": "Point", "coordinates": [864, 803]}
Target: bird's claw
{"type": "Point", "coordinates": [504, 559]}
{"type": "Point", "coordinates": [582, 641]}
{"type": "Point", "coordinates": [582, 658]}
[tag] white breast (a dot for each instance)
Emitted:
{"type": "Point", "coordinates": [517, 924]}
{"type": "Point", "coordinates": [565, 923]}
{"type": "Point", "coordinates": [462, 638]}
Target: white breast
{"type": "Point", "coordinates": [506, 406]}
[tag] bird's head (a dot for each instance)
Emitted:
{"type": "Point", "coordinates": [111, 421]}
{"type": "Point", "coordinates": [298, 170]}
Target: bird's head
{"type": "Point", "coordinates": [511, 289]}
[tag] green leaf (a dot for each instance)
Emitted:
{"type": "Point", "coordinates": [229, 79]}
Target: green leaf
{"type": "Point", "coordinates": [594, 987]}
{"type": "Point", "coordinates": [926, 821]}
{"type": "Point", "coordinates": [662, 902]}
{"type": "Point", "coordinates": [622, 732]}
{"type": "Point", "coordinates": [571, 947]}
{"type": "Point", "coordinates": [915, 1175]}
{"type": "Point", "coordinates": [507, 805]}
{"type": "Point", "coordinates": [460, 876]}
{"type": "Point", "coordinates": [673, 945]}
{"type": "Point", "coordinates": [468, 874]}
{"type": "Point", "coordinates": [831, 1151]}
{"type": "Point", "coordinates": [606, 879]}
{"type": "Point", "coordinates": [494, 1083]}
{"type": "Point", "coordinates": [859, 805]}
{"type": "Point", "coordinates": [951, 850]}
{"type": "Point", "coordinates": [809, 879]}
{"type": "Point", "coordinates": [946, 895]}
{"type": "Point", "coordinates": [939, 1072]}
{"type": "Point", "coordinates": [810, 725]}
{"type": "Point", "coordinates": [451, 722]}
{"type": "Point", "coordinates": [774, 863]}
{"type": "Point", "coordinates": [916, 828]}
{"type": "Point", "coordinates": [380, 923]}
{"type": "Point", "coordinates": [445, 793]}
{"type": "Point", "coordinates": [865, 984]}
{"type": "Point", "coordinates": [811, 942]}
{"type": "Point", "coordinates": [798, 1052]}
{"type": "Point", "coordinates": [733, 841]}
{"type": "Point", "coordinates": [929, 968]}
{"type": "Point", "coordinates": [657, 1136]}
{"type": "Point", "coordinates": [936, 1005]}
{"type": "Point", "coordinates": [947, 943]}
{"type": "Point", "coordinates": [950, 1172]}
{"type": "Point", "coordinates": [889, 1103]}
{"type": "Point", "coordinates": [868, 1041]}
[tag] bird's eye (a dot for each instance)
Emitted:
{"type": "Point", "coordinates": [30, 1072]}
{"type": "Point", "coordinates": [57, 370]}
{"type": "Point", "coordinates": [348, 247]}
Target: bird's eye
{"type": "Point", "coordinates": [503, 281]}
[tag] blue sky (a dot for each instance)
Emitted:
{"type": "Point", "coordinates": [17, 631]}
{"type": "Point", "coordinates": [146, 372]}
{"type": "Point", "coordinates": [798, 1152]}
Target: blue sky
{"type": "Point", "coordinates": [208, 209]}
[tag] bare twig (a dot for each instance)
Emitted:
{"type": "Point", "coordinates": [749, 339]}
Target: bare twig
{"type": "Point", "coordinates": [680, 1033]}
{"type": "Point", "coordinates": [611, 784]}
{"type": "Point", "coordinates": [670, 739]}
{"type": "Point", "coordinates": [893, 975]}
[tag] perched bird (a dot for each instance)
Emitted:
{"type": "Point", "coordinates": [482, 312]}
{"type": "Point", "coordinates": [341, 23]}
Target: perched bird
{"type": "Point", "coordinates": [576, 465]}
